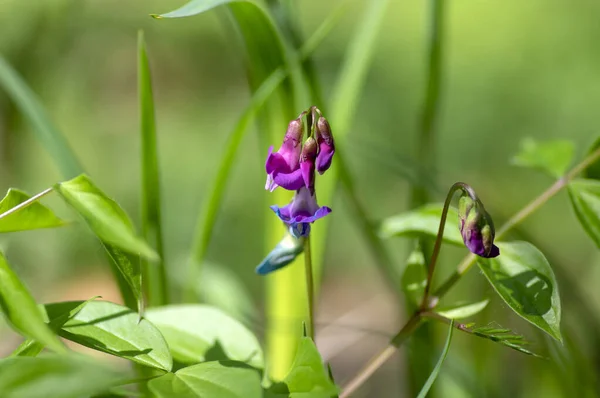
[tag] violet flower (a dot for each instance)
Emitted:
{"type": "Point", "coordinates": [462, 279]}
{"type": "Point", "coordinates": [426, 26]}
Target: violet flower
{"type": "Point", "coordinates": [326, 145]}
{"type": "Point", "coordinates": [301, 212]}
{"type": "Point", "coordinates": [283, 166]}
{"type": "Point", "coordinates": [476, 227]}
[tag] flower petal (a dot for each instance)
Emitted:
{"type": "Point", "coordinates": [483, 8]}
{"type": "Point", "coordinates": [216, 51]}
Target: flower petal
{"type": "Point", "coordinates": [324, 157]}
{"type": "Point", "coordinates": [290, 181]}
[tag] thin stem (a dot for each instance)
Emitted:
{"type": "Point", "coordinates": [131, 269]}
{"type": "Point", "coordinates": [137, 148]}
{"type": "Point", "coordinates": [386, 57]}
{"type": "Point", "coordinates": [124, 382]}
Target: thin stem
{"type": "Point", "coordinates": [28, 202]}
{"type": "Point", "coordinates": [378, 360]}
{"type": "Point", "coordinates": [529, 209]}
{"type": "Point", "coordinates": [309, 287]}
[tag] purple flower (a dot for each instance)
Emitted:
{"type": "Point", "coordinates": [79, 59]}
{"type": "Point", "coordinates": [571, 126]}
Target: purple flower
{"type": "Point", "coordinates": [283, 166]}
{"type": "Point", "coordinates": [326, 145]}
{"type": "Point", "coordinates": [301, 212]}
{"type": "Point", "coordinates": [307, 163]}
{"type": "Point", "coordinates": [477, 228]}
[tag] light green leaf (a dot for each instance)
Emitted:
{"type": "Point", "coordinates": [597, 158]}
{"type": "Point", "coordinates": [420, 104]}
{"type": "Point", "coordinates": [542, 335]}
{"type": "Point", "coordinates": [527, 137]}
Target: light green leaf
{"type": "Point", "coordinates": [222, 379]}
{"type": "Point", "coordinates": [114, 329]}
{"type": "Point", "coordinates": [503, 336]}
{"type": "Point", "coordinates": [461, 311]}
{"type": "Point", "coordinates": [103, 215]}
{"type": "Point", "coordinates": [21, 310]}
{"type": "Point", "coordinates": [523, 278]}
{"type": "Point", "coordinates": [198, 333]}
{"type": "Point", "coordinates": [56, 377]}
{"type": "Point", "coordinates": [552, 157]}
{"type": "Point", "coordinates": [414, 277]}
{"type": "Point", "coordinates": [585, 199]}
{"type": "Point", "coordinates": [423, 221]}
{"type": "Point", "coordinates": [436, 370]}
{"type": "Point", "coordinates": [129, 277]}
{"type": "Point", "coordinates": [33, 216]}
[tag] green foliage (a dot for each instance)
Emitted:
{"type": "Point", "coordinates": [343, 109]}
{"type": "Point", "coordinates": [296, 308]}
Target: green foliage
{"type": "Point", "coordinates": [422, 221]}
{"type": "Point", "coordinates": [585, 199]}
{"type": "Point", "coordinates": [414, 277]}
{"type": "Point", "coordinates": [21, 310]}
{"type": "Point", "coordinates": [593, 170]}
{"type": "Point", "coordinates": [114, 329]}
{"type": "Point", "coordinates": [505, 337]}
{"type": "Point", "coordinates": [523, 278]}
{"type": "Point", "coordinates": [463, 310]}
{"type": "Point", "coordinates": [197, 333]}
{"type": "Point", "coordinates": [32, 216]}
{"type": "Point", "coordinates": [223, 379]}
{"type": "Point", "coordinates": [56, 377]}
{"type": "Point", "coordinates": [552, 157]}
{"type": "Point", "coordinates": [438, 365]}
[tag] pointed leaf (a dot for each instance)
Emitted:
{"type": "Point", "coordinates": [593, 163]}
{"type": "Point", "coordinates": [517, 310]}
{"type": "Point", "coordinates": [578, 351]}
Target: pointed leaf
{"type": "Point", "coordinates": [552, 157]}
{"type": "Point", "coordinates": [56, 377]}
{"type": "Point", "coordinates": [523, 278]}
{"type": "Point", "coordinates": [438, 365]}
{"type": "Point", "coordinates": [585, 199]}
{"type": "Point", "coordinates": [414, 277]}
{"type": "Point", "coordinates": [103, 215]}
{"type": "Point", "coordinates": [21, 310]}
{"type": "Point", "coordinates": [222, 379]}
{"type": "Point", "coordinates": [198, 333]}
{"type": "Point", "coordinates": [593, 171]}
{"type": "Point", "coordinates": [114, 329]}
{"type": "Point", "coordinates": [423, 221]}
{"type": "Point", "coordinates": [34, 216]}
{"type": "Point", "coordinates": [460, 311]}
{"type": "Point", "coordinates": [131, 273]}
{"type": "Point", "coordinates": [505, 337]}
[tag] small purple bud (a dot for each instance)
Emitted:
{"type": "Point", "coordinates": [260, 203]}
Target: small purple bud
{"type": "Point", "coordinates": [326, 145]}
{"type": "Point", "coordinates": [283, 167]}
{"type": "Point", "coordinates": [476, 227]}
{"type": "Point", "coordinates": [307, 162]}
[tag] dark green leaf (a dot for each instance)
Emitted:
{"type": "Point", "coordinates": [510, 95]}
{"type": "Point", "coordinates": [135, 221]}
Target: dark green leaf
{"type": "Point", "coordinates": [523, 278]}
{"type": "Point", "coordinates": [222, 379]}
{"type": "Point", "coordinates": [56, 377]}
{"type": "Point", "coordinates": [129, 277]}
{"type": "Point", "coordinates": [585, 199]}
{"type": "Point", "coordinates": [438, 365]}
{"type": "Point", "coordinates": [423, 221]}
{"type": "Point", "coordinates": [45, 132]}
{"type": "Point", "coordinates": [33, 216]}
{"type": "Point", "coordinates": [414, 277]}
{"type": "Point", "coordinates": [460, 311]}
{"type": "Point", "coordinates": [552, 157]}
{"type": "Point", "coordinates": [103, 215]}
{"type": "Point", "coordinates": [593, 171]}
{"type": "Point", "coordinates": [505, 337]}
{"type": "Point", "coordinates": [197, 333]}
{"type": "Point", "coordinates": [114, 329]}
{"type": "Point", "coordinates": [21, 310]}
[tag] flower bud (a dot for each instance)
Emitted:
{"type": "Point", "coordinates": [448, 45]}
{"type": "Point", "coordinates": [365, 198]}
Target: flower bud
{"type": "Point", "coordinates": [284, 253]}
{"type": "Point", "coordinates": [294, 132]}
{"type": "Point", "coordinates": [476, 227]}
{"type": "Point", "coordinates": [307, 162]}
{"type": "Point", "coordinates": [326, 145]}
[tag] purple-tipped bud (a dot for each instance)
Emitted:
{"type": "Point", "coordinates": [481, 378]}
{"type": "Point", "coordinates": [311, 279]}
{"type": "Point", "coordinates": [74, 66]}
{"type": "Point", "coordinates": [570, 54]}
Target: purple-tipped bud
{"type": "Point", "coordinates": [283, 168]}
{"type": "Point", "coordinates": [326, 145]}
{"type": "Point", "coordinates": [476, 227]}
{"type": "Point", "coordinates": [307, 162]}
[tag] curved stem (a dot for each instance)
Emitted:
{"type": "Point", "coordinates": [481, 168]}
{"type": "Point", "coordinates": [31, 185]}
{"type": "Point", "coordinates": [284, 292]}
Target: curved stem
{"type": "Point", "coordinates": [309, 287]}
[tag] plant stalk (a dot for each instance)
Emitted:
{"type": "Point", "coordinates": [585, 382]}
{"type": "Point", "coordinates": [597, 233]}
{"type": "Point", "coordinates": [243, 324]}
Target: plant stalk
{"type": "Point", "coordinates": [310, 290]}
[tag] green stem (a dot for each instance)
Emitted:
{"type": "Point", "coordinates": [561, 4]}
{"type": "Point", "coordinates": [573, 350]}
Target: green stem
{"type": "Point", "coordinates": [310, 290]}
{"type": "Point", "coordinates": [28, 202]}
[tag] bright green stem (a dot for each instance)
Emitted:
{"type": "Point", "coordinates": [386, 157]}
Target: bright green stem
{"type": "Point", "coordinates": [310, 290]}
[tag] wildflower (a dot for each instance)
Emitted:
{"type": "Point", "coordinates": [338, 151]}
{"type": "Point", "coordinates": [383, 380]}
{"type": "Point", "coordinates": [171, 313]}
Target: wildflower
{"type": "Point", "coordinates": [283, 254]}
{"type": "Point", "coordinates": [283, 166]}
{"type": "Point", "coordinates": [476, 227]}
{"type": "Point", "coordinates": [307, 163]}
{"type": "Point", "coordinates": [301, 212]}
{"type": "Point", "coordinates": [326, 145]}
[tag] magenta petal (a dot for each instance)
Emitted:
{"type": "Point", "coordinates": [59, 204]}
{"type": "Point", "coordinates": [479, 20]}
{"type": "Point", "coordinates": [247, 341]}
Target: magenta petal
{"type": "Point", "coordinates": [275, 162]}
{"type": "Point", "coordinates": [308, 174]}
{"type": "Point", "coordinates": [291, 181]}
{"type": "Point", "coordinates": [324, 157]}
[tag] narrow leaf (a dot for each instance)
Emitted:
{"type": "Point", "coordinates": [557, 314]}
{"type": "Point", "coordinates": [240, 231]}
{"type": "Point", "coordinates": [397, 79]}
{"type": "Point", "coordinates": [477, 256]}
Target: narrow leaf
{"type": "Point", "coordinates": [585, 199]}
{"type": "Point", "coordinates": [552, 157]}
{"type": "Point", "coordinates": [33, 216]}
{"type": "Point", "coordinates": [593, 171]}
{"type": "Point", "coordinates": [114, 329]}
{"type": "Point", "coordinates": [461, 311]}
{"type": "Point", "coordinates": [438, 366]}
{"type": "Point", "coordinates": [423, 221]}
{"type": "Point", "coordinates": [21, 310]}
{"type": "Point", "coordinates": [222, 379]}
{"type": "Point", "coordinates": [523, 278]}
{"type": "Point", "coordinates": [197, 333]}
{"type": "Point", "coordinates": [506, 338]}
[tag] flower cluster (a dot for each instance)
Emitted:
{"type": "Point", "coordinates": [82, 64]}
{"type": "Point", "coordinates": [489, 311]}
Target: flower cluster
{"type": "Point", "coordinates": [293, 168]}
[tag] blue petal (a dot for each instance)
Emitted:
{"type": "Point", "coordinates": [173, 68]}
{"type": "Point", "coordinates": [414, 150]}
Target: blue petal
{"type": "Point", "coordinates": [284, 253]}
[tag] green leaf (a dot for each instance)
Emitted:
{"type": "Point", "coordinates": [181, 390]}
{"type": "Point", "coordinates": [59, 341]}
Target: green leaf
{"type": "Point", "coordinates": [308, 377]}
{"type": "Point", "coordinates": [593, 171]}
{"type": "Point", "coordinates": [45, 132]}
{"type": "Point", "coordinates": [523, 278]}
{"type": "Point", "coordinates": [21, 310]}
{"type": "Point", "coordinates": [222, 379]}
{"type": "Point", "coordinates": [414, 277]}
{"type": "Point", "coordinates": [103, 215]}
{"type": "Point", "coordinates": [114, 329]}
{"type": "Point", "coordinates": [552, 157]}
{"type": "Point", "coordinates": [150, 206]}
{"type": "Point", "coordinates": [503, 336]}
{"type": "Point", "coordinates": [585, 199]}
{"type": "Point", "coordinates": [460, 311]}
{"type": "Point", "coordinates": [33, 216]}
{"type": "Point", "coordinates": [197, 333]}
{"type": "Point", "coordinates": [56, 377]}
{"type": "Point", "coordinates": [438, 365]}
{"type": "Point", "coordinates": [423, 221]}
{"type": "Point", "coordinates": [129, 277]}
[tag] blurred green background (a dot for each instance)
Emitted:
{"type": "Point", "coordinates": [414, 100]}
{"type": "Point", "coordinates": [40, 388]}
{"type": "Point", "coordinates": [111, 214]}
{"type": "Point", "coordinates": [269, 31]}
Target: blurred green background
{"type": "Point", "coordinates": [512, 69]}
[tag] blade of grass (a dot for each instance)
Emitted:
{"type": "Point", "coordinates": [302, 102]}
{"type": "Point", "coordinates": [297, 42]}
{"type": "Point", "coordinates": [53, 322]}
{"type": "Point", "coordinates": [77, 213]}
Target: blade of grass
{"type": "Point", "coordinates": [154, 275]}
{"type": "Point", "coordinates": [438, 366]}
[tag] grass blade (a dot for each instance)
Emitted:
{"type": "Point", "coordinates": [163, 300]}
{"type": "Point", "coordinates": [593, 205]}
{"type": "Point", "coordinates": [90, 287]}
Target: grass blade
{"type": "Point", "coordinates": [438, 365]}
{"type": "Point", "coordinates": [154, 275]}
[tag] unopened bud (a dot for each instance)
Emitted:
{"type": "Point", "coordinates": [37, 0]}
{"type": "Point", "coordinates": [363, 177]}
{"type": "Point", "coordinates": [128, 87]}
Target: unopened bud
{"type": "Point", "coordinates": [326, 145]}
{"type": "Point", "coordinates": [476, 227]}
{"type": "Point", "coordinates": [294, 132]}
{"type": "Point", "coordinates": [307, 162]}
